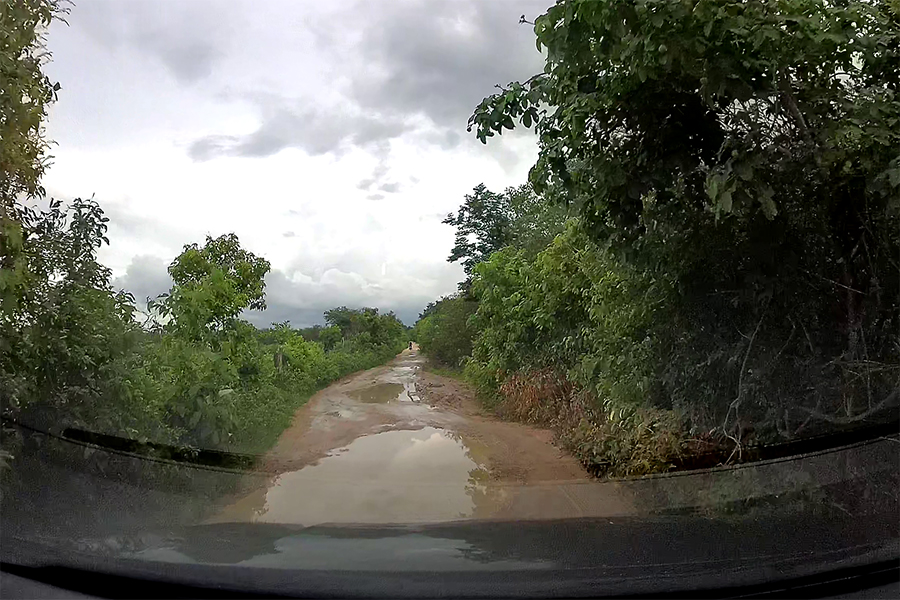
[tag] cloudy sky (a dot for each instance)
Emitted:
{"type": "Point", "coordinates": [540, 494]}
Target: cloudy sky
{"type": "Point", "coordinates": [330, 136]}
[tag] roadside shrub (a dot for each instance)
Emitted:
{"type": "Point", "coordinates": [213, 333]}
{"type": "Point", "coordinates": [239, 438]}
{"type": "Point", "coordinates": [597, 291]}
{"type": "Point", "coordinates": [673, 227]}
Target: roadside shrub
{"type": "Point", "coordinates": [628, 443]}
{"type": "Point", "coordinates": [623, 442]}
{"type": "Point", "coordinates": [446, 334]}
{"type": "Point", "coordinates": [646, 354]}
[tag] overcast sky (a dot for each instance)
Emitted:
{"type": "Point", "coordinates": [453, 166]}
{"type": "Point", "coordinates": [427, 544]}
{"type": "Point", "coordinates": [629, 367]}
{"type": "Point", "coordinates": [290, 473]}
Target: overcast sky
{"type": "Point", "coordinates": [330, 136]}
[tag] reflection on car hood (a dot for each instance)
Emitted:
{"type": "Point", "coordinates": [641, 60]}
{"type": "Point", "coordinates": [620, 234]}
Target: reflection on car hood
{"type": "Point", "coordinates": [747, 524]}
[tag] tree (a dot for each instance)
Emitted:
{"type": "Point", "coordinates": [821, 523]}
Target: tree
{"type": "Point", "coordinates": [674, 122]}
{"type": "Point", "coordinates": [488, 221]}
{"type": "Point", "coordinates": [387, 329]}
{"type": "Point", "coordinates": [697, 92]}
{"type": "Point", "coordinates": [25, 93]}
{"type": "Point", "coordinates": [65, 343]}
{"type": "Point", "coordinates": [330, 336]}
{"type": "Point", "coordinates": [24, 96]}
{"type": "Point", "coordinates": [347, 320]}
{"type": "Point", "coordinates": [67, 339]}
{"type": "Point", "coordinates": [379, 329]}
{"type": "Point", "coordinates": [749, 151]}
{"type": "Point", "coordinates": [482, 227]}
{"type": "Point", "coordinates": [445, 334]}
{"type": "Point", "coordinates": [535, 221]}
{"type": "Point", "coordinates": [213, 285]}
{"type": "Point", "coordinates": [429, 310]}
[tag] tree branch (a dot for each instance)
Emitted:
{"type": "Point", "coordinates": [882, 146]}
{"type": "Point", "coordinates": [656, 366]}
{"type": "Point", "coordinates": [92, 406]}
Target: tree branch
{"type": "Point", "coordinates": [852, 419]}
{"type": "Point", "coordinates": [790, 103]}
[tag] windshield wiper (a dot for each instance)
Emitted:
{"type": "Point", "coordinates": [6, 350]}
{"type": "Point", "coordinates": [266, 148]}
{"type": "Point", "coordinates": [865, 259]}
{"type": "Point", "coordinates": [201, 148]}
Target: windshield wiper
{"type": "Point", "coordinates": [148, 450]}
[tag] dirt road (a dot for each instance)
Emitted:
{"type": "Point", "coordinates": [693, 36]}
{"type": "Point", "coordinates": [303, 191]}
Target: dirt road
{"type": "Point", "coordinates": [398, 444]}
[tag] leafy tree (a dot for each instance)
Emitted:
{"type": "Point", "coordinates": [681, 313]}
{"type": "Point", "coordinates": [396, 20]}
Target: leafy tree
{"type": "Point", "coordinates": [572, 309]}
{"type": "Point", "coordinates": [330, 336]}
{"type": "Point", "coordinates": [429, 310]}
{"type": "Point", "coordinates": [312, 333]}
{"type": "Point", "coordinates": [348, 320]}
{"type": "Point", "coordinates": [273, 334]}
{"type": "Point", "coordinates": [746, 152]}
{"type": "Point", "coordinates": [688, 103]}
{"type": "Point", "coordinates": [387, 329]}
{"type": "Point", "coordinates": [379, 329]}
{"type": "Point", "coordinates": [487, 222]}
{"type": "Point", "coordinates": [482, 227]}
{"type": "Point", "coordinates": [535, 221]}
{"type": "Point", "coordinates": [446, 334]}
{"type": "Point", "coordinates": [715, 136]}
{"type": "Point", "coordinates": [25, 93]}
{"type": "Point", "coordinates": [65, 345]}
{"type": "Point", "coordinates": [213, 285]}
{"type": "Point", "coordinates": [67, 339]}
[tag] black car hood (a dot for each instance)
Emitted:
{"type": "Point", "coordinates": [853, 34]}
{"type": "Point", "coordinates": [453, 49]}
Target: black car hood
{"type": "Point", "coordinates": [718, 529]}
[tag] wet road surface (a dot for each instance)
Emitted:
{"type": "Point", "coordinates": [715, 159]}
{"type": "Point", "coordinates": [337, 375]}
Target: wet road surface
{"type": "Point", "coordinates": [372, 449]}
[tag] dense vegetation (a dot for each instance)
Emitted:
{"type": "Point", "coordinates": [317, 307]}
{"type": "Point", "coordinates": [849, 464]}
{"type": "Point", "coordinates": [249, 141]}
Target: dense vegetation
{"type": "Point", "coordinates": [76, 353]}
{"type": "Point", "coordinates": [706, 255]}
{"type": "Point", "coordinates": [730, 273]}
{"type": "Point", "coordinates": [444, 330]}
{"type": "Point", "coordinates": [193, 372]}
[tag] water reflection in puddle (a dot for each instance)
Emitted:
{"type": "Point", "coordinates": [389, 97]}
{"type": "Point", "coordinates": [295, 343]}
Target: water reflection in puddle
{"type": "Point", "coordinates": [391, 477]}
{"type": "Point", "coordinates": [379, 394]}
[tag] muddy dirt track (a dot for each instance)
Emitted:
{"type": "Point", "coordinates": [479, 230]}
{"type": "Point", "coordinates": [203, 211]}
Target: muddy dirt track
{"type": "Point", "coordinates": [399, 444]}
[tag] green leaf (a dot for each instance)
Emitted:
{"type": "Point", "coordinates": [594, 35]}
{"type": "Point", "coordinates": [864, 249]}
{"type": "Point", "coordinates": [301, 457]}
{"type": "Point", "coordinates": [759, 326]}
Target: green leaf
{"type": "Point", "coordinates": [725, 201]}
{"type": "Point", "coordinates": [894, 176]}
{"type": "Point", "coordinates": [712, 187]}
{"type": "Point", "coordinates": [768, 204]}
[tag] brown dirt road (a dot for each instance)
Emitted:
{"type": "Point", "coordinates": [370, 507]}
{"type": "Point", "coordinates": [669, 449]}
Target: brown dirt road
{"type": "Point", "coordinates": [399, 444]}
{"type": "Point", "coordinates": [403, 396]}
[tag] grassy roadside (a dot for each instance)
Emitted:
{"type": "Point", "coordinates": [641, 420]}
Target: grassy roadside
{"type": "Point", "coordinates": [266, 419]}
{"type": "Point", "coordinates": [451, 372]}
{"type": "Point", "coordinates": [144, 492]}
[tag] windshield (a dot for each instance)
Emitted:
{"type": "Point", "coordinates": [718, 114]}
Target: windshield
{"type": "Point", "coordinates": [353, 264]}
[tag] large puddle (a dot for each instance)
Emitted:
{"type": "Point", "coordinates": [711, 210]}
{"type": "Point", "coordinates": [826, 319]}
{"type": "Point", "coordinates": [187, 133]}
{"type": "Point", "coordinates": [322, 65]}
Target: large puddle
{"type": "Point", "coordinates": [379, 393]}
{"type": "Point", "coordinates": [391, 477]}
{"type": "Point", "coordinates": [382, 393]}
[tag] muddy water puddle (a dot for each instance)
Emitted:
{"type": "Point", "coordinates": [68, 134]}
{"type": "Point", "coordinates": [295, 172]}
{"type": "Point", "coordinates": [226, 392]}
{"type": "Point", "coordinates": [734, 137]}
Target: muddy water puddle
{"type": "Point", "coordinates": [404, 476]}
{"type": "Point", "coordinates": [380, 393]}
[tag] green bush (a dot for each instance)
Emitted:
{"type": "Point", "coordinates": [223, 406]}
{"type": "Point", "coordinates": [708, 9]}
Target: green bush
{"type": "Point", "coordinates": [68, 341]}
{"type": "Point", "coordinates": [446, 334]}
{"type": "Point", "coordinates": [576, 312]}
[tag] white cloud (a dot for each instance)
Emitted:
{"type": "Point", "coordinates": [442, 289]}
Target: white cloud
{"type": "Point", "coordinates": [329, 136]}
